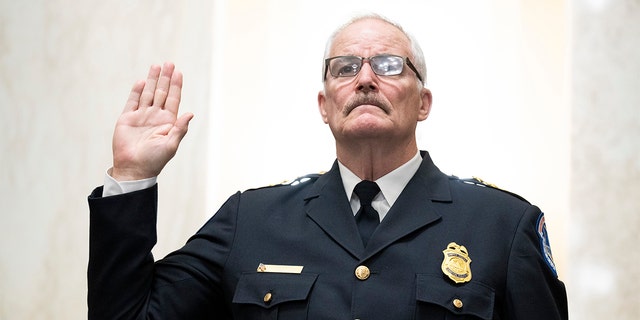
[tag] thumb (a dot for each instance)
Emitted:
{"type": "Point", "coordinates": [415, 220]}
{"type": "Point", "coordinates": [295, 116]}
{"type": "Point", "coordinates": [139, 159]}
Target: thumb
{"type": "Point", "coordinates": [179, 129]}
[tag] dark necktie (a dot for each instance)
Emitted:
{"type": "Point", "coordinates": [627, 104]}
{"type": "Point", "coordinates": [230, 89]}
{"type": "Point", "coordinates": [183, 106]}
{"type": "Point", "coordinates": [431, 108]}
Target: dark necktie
{"type": "Point", "coordinates": [367, 217]}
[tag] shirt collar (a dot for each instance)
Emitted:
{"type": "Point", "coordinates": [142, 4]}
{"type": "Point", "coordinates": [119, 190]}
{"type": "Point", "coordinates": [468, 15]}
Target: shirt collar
{"type": "Point", "coordinates": [391, 184]}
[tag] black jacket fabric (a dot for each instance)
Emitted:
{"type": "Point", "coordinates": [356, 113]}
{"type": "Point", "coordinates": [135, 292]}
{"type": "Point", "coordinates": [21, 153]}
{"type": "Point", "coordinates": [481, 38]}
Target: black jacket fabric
{"type": "Point", "coordinates": [310, 224]}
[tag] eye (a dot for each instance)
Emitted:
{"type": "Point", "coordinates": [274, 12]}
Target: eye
{"type": "Point", "coordinates": [348, 70]}
{"type": "Point", "coordinates": [388, 65]}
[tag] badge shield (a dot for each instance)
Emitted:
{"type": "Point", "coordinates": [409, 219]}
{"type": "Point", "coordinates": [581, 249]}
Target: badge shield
{"type": "Point", "coordinates": [456, 263]}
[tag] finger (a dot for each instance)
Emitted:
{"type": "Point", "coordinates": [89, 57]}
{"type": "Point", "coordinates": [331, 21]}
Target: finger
{"type": "Point", "coordinates": [146, 98]}
{"type": "Point", "coordinates": [162, 88]}
{"type": "Point", "coordinates": [175, 92]}
{"type": "Point", "coordinates": [179, 130]}
{"type": "Point", "coordinates": [134, 97]}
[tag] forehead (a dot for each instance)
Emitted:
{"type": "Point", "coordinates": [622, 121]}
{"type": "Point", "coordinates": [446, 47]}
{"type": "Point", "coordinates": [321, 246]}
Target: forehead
{"type": "Point", "coordinates": [369, 37]}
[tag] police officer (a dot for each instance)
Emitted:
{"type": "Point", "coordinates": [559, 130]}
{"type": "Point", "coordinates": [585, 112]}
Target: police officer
{"type": "Point", "coordinates": [383, 235]}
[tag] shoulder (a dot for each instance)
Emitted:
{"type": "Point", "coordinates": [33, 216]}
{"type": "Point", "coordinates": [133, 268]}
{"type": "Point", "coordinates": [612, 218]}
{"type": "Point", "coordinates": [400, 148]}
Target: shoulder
{"type": "Point", "coordinates": [479, 186]}
{"type": "Point", "coordinates": [290, 185]}
{"type": "Point", "coordinates": [285, 194]}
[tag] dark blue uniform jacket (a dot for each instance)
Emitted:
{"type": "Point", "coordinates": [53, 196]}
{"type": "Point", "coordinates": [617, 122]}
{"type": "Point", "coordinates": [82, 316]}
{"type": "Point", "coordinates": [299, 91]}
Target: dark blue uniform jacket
{"type": "Point", "coordinates": [310, 224]}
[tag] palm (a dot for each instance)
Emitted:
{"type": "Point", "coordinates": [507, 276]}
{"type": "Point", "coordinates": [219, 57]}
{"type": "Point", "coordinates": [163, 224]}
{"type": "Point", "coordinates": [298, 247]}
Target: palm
{"type": "Point", "coordinates": [148, 131]}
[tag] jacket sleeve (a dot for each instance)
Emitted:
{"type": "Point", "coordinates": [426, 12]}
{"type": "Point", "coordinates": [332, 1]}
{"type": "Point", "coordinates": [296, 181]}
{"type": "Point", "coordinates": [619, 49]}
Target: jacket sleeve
{"type": "Point", "coordinates": [124, 282]}
{"type": "Point", "coordinates": [533, 288]}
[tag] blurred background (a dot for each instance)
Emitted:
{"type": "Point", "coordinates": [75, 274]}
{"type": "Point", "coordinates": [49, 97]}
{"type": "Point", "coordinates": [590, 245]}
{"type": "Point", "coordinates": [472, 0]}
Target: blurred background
{"type": "Point", "coordinates": [540, 97]}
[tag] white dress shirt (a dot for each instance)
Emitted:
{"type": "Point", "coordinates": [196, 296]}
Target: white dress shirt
{"type": "Point", "coordinates": [113, 187]}
{"type": "Point", "coordinates": [391, 185]}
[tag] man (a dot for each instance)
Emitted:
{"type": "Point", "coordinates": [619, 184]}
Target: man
{"type": "Point", "coordinates": [416, 244]}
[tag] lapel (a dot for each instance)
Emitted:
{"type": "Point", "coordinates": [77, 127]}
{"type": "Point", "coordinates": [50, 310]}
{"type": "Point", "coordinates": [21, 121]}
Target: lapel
{"type": "Point", "coordinates": [328, 206]}
{"type": "Point", "coordinates": [414, 209]}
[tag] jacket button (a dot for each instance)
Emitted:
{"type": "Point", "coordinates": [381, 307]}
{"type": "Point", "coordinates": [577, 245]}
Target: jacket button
{"type": "Point", "coordinates": [362, 273]}
{"type": "Point", "coordinates": [457, 303]}
{"type": "Point", "coordinates": [267, 297]}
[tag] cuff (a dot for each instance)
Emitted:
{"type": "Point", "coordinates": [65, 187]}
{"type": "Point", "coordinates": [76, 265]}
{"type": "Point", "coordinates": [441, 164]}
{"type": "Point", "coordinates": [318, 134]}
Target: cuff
{"type": "Point", "coordinates": [113, 187]}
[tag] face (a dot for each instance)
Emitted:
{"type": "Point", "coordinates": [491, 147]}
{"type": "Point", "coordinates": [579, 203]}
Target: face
{"type": "Point", "coordinates": [368, 106]}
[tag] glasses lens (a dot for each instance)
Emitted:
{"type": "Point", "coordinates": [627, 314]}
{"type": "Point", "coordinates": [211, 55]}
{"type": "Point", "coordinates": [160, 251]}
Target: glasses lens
{"type": "Point", "coordinates": [386, 65]}
{"type": "Point", "coordinates": [345, 66]}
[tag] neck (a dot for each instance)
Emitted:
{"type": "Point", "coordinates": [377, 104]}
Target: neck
{"type": "Point", "coordinates": [370, 160]}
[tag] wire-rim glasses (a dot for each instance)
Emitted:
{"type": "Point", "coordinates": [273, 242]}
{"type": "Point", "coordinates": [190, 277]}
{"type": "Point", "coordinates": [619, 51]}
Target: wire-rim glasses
{"type": "Point", "coordinates": [382, 65]}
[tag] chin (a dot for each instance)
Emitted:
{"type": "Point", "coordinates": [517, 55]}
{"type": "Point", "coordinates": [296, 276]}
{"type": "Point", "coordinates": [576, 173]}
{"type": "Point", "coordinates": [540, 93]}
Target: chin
{"type": "Point", "coordinates": [367, 132]}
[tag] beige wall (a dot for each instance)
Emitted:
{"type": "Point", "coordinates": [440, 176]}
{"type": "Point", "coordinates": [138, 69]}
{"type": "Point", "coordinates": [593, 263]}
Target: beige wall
{"type": "Point", "coordinates": [605, 160]}
{"type": "Point", "coordinates": [535, 96]}
{"type": "Point", "coordinates": [66, 68]}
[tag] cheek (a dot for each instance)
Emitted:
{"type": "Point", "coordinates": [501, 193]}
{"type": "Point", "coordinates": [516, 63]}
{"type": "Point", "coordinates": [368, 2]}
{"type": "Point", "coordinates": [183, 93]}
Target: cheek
{"type": "Point", "coordinates": [328, 110]}
{"type": "Point", "coordinates": [412, 100]}
{"type": "Point", "coordinates": [409, 110]}
{"type": "Point", "coordinates": [332, 105]}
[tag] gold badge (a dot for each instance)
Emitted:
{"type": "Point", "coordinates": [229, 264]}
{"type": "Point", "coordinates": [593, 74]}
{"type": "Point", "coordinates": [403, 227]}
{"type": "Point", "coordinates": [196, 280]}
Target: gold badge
{"type": "Point", "coordinates": [456, 263]}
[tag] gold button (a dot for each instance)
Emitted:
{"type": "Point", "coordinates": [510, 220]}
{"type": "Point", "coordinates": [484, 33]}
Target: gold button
{"type": "Point", "coordinates": [267, 297]}
{"type": "Point", "coordinates": [457, 303]}
{"type": "Point", "coordinates": [362, 273]}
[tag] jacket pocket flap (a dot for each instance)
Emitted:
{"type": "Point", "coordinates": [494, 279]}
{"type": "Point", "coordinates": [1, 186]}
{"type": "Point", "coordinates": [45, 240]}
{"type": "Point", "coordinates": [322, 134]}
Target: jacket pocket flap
{"type": "Point", "coordinates": [270, 289]}
{"type": "Point", "coordinates": [471, 298]}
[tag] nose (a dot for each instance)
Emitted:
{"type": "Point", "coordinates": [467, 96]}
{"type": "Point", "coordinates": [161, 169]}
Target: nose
{"type": "Point", "coordinates": [367, 80]}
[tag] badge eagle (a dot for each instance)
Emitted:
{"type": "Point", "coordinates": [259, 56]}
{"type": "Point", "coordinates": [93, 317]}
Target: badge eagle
{"type": "Point", "coordinates": [456, 263]}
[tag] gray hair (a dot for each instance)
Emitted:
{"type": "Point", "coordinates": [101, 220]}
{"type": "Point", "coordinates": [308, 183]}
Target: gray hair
{"type": "Point", "coordinates": [416, 51]}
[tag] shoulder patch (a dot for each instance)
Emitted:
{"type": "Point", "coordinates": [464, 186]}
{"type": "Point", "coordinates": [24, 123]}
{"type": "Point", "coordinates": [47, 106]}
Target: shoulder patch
{"type": "Point", "coordinates": [545, 246]}
{"type": "Point", "coordinates": [482, 183]}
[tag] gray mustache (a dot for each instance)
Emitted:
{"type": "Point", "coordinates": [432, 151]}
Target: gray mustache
{"type": "Point", "coordinates": [363, 99]}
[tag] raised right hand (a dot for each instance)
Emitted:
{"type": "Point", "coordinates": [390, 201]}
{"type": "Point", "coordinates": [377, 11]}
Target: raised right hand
{"type": "Point", "coordinates": [149, 131]}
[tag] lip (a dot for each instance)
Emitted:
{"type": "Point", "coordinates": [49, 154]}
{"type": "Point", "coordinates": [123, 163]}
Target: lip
{"type": "Point", "coordinates": [365, 101]}
{"type": "Point", "coordinates": [365, 105]}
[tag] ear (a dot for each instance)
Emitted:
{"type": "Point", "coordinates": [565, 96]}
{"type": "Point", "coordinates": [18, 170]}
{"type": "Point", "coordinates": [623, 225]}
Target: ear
{"type": "Point", "coordinates": [321, 106]}
{"type": "Point", "coordinates": [425, 108]}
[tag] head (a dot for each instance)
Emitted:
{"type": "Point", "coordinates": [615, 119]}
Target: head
{"type": "Point", "coordinates": [371, 106]}
{"type": "Point", "coordinates": [416, 51]}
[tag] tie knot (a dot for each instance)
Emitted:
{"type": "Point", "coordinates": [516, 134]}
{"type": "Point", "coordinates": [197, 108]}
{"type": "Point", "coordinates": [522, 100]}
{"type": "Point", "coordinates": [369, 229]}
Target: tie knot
{"type": "Point", "coordinates": [366, 190]}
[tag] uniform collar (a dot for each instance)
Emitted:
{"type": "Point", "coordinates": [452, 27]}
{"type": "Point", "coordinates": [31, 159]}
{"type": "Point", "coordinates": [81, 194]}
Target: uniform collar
{"type": "Point", "coordinates": [391, 184]}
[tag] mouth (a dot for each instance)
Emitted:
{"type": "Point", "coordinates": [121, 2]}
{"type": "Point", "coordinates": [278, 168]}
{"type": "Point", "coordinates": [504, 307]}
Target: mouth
{"type": "Point", "coordinates": [363, 100]}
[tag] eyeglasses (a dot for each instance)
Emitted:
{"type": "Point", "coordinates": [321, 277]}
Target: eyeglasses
{"type": "Point", "coordinates": [382, 65]}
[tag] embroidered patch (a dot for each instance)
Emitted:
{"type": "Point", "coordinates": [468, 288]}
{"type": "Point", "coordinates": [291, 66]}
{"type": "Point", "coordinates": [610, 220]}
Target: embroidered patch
{"type": "Point", "coordinates": [545, 246]}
